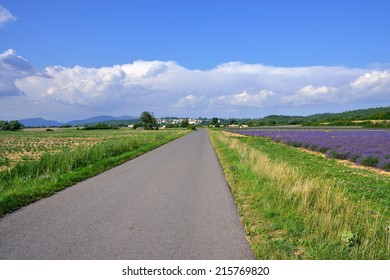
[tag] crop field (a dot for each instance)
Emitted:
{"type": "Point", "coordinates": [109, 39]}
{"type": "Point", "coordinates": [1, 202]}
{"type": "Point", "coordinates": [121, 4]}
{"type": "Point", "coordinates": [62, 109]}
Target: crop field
{"type": "Point", "coordinates": [299, 205]}
{"type": "Point", "coordinates": [26, 147]}
{"type": "Point", "coordinates": [36, 163]}
{"type": "Point", "coordinates": [364, 147]}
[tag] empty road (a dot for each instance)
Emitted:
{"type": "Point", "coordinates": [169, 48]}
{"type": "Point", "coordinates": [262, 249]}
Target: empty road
{"type": "Point", "coordinates": [171, 203]}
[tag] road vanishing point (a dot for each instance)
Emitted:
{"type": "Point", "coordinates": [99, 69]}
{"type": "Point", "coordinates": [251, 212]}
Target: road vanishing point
{"type": "Point", "coordinates": [172, 203]}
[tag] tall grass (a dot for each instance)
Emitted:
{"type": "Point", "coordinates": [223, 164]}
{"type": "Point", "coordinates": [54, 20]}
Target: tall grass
{"type": "Point", "coordinates": [291, 216]}
{"type": "Point", "coordinates": [32, 180]}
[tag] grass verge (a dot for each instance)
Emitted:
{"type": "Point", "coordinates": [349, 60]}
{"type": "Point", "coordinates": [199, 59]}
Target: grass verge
{"type": "Point", "coordinates": [33, 180]}
{"type": "Point", "coordinates": [296, 205]}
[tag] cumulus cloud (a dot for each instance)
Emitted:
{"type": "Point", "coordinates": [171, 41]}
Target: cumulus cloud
{"type": "Point", "coordinates": [189, 101]}
{"type": "Point", "coordinates": [167, 88]}
{"type": "Point", "coordinates": [12, 68]}
{"type": "Point", "coordinates": [260, 99]}
{"type": "Point", "coordinates": [96, 86]}
{"type": "Point", "coordinates": [245, 99]}
{"type": "Point", "coordinates": [5, 16]}
{"type": "Point", "coordinates": [373, 84]}
{"type": "Point", "coordinates": [313, 95]}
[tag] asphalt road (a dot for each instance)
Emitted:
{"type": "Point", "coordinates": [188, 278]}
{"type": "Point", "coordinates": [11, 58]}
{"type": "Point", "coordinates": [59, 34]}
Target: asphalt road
{"type": "Point", "coordinates": [171, 203]}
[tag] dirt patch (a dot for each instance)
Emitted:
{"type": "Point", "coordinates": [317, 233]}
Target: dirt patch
{"type": "Point", "coordinates": [372, 121]}
{"type": "Point", "coordinates": [227, 133]}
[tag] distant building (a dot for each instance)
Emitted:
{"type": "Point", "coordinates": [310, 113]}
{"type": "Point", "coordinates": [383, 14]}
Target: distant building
{"type": "Point", "coordinates": [238, 125]}
{"type": "Point", "coordinates": [178, 121]}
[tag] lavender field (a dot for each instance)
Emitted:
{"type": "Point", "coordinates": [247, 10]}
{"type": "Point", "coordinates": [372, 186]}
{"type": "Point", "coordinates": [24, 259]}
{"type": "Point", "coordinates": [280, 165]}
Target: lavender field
{"type": "Point", "coordinates": [363, 147]}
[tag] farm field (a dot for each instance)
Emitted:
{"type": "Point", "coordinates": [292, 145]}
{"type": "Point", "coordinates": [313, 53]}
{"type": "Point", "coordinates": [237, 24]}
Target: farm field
{"type": "Point", "coordinates": [36, 163]}
{"type": "Point", "coordinates": [299, 205]}
{"type": "Point", "coordinates": [31, 144]}
{"type": "Point", "coordinates": [364, 147]}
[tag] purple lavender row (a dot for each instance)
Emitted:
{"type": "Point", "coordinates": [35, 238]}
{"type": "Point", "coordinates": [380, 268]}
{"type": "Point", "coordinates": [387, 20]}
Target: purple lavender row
{"type": "Point", "coordinates": [365, 147]}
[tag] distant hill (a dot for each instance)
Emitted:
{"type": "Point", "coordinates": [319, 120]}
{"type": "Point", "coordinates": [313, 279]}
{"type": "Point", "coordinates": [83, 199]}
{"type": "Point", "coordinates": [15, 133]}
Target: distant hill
{"type": "Point", "coordinates": [361, 117]}
{"type": "Point", "coordinates": [100, 119]}
{"type": "Point", "coordinates": [344, 118]}
{"type": "Point", "coordinates": [360, 114]}
{"type": "Point", "coordinates": [40, 122]}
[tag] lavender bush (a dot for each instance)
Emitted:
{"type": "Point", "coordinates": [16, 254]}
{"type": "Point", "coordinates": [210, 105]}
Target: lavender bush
{"type": "Point", "coordinates": [364, 147]}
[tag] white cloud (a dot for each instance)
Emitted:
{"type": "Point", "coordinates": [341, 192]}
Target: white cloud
{"type": "Point", "coordinates": [312, 95]}
{"type": "Point", "coordinates": [371, 83]}
{"type": "Point", "coordinates": [245, 99]}
{"type": "Point", "coordinates": [12, 68]}
{"type": "Point", "coordinates": [5, 16]}
{"type": "Point", "coordinates": [190, 101]}
{"type": "Point", "coordinates": [261, 99]}
{"type": "Point", "coordinates": [166, 88]}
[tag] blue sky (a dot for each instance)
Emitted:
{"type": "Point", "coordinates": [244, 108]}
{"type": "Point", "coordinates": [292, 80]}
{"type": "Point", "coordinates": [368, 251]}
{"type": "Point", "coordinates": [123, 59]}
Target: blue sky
{"type": "Point", "coordinates": [192, 58]}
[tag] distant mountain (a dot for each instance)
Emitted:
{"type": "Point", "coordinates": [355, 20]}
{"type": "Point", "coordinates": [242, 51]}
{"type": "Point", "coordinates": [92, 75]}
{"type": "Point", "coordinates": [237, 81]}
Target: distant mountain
{"type": "Point", "coordinates": [101, 119]}
{"type": "Point", "coordinates": [37, 122]}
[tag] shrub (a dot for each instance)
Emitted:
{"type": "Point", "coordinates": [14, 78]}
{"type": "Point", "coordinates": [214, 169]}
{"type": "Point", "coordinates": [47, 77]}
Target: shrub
{"type": "Point", "coordinates": [386, 166]}
{"type": "Point", "coordinates": [337, 154]}
{"type": "Point", "coordinates": [322, 149]}
{"type": "Point", "coordinates": [294, 144]}
{"type": "Point", "coordinates": [369, 161]}
{"type": "Point", "coordinates": [191, 127]}
{"type": "Point", "coordinates": [100, 126]}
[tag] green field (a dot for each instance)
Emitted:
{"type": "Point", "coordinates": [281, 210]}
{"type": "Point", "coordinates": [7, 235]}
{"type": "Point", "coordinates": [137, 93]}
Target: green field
{"type": "Point", "coordinates": [297, 205]}
{"type": "Point", "coordinates": [37, 163]}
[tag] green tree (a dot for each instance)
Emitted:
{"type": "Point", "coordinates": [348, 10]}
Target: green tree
{"type": "Point", "coordinates": [136, 125]}
{"type": "Point", "coordinates": [15, 125]}
{"type": "Point", "coordinates": [184, 123]}
{"type": "Point", "coordinates": [381, 116]}
{"type": "Point", "coordinates": [148, 120]}
{"type": "Point", "coordinates": [4, 125]}
{"type": "Point", "coordinates": [214, 121]}
{"type": "Point", "coordinates": [12, 125]}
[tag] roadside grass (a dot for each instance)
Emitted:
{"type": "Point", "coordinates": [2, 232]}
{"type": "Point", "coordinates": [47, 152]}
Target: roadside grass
{"type": "Point", "coordinates": [55, 169]}
{"type": "Point", "coordinates": [296, 205]}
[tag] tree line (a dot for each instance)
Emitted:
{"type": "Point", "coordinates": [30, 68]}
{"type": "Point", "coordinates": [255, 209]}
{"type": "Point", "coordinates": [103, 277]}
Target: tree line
{"type": "Point", "coordinates": [10, 126]}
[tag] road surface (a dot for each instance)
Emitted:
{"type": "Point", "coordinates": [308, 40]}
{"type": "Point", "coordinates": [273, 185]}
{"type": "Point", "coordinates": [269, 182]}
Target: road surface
{"type": "Point", "coordinates": [171, 203]}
